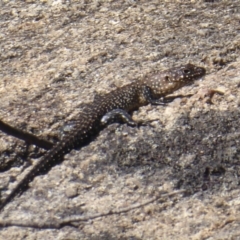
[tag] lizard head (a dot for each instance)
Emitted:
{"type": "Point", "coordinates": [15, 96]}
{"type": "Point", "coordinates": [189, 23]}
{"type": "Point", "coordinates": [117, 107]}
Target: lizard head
{"type": "Point", "coordinates": [185, 74]}
{"type": "Point", "coordinates": [168, 81]}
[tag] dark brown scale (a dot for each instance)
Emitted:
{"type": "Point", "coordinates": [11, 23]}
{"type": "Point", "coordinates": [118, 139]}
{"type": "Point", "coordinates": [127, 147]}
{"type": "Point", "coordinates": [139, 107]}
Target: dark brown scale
{"type": "Point", "coordinates": [116, 103]}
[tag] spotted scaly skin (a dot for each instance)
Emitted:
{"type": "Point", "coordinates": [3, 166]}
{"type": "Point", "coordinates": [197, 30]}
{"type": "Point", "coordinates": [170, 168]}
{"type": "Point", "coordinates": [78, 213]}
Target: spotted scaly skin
{"type": "Point", "coordinates": [114, 104]}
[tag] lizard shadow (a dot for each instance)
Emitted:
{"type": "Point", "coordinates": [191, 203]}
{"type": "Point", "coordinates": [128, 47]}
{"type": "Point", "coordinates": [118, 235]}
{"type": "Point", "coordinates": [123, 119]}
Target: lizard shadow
{"type": "Point", "coordinates": [199, 154]}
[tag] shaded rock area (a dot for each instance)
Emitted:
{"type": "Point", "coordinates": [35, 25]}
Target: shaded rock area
{"type": "Point", "coordinates": [58, 55]}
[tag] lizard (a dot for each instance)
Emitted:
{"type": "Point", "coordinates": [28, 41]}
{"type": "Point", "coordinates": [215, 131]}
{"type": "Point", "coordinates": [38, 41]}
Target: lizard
{"type": "Point", "coordinates": [116, 104]}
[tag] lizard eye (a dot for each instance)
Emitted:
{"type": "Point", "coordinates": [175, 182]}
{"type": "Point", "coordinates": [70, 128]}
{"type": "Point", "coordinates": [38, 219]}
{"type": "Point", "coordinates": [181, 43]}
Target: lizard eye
{"type": "Point", "coordinates": [186, 71]}
{"type": "Point", "coordinates": [167, 78]}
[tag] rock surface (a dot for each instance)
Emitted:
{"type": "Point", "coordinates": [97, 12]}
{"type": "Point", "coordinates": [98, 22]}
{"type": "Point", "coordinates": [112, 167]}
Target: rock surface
{"type": "Point", "coordinates": [56, 55]}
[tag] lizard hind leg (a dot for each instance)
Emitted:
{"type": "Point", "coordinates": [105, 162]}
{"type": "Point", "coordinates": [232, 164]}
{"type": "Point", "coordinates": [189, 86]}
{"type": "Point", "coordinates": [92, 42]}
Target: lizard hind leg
{"type": "Point", "coordinates": [118, 115]}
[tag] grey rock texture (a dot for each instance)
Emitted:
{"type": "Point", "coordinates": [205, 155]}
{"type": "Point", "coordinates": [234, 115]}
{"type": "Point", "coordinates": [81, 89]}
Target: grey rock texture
{"type": "Point", "coordinates": [57, 55]}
